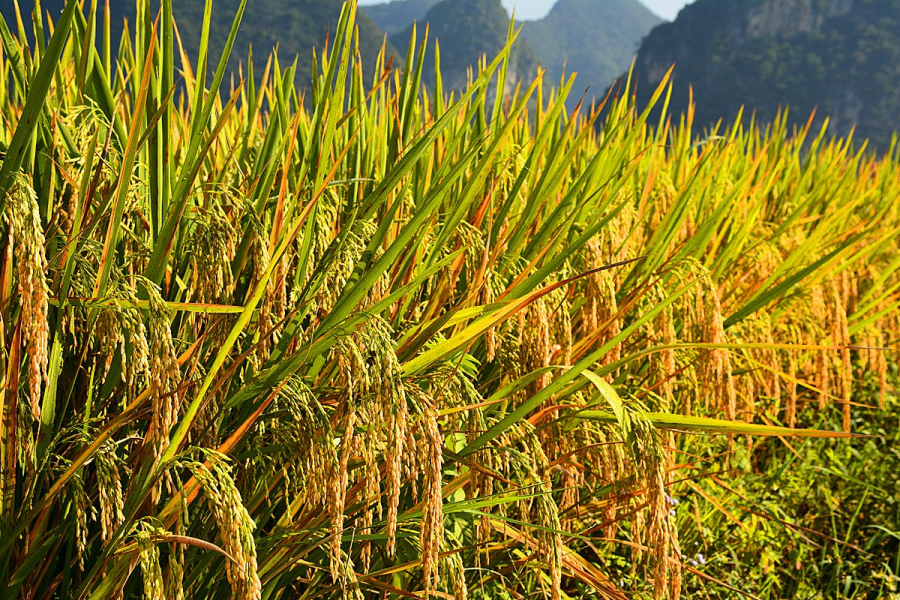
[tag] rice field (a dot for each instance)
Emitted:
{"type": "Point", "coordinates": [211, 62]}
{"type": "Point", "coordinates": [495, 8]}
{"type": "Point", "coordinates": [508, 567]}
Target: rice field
{"type": "Point", "coordinates": [383, 340]}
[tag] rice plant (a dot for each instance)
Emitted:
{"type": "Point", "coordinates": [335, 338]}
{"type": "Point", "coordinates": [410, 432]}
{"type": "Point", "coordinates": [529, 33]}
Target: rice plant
{"type": "Point", "coordinates": [385, 340]}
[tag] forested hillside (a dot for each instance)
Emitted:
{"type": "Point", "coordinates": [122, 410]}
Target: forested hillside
{"type": "Point", "coordinates": [840, 57]}
{"type": "Point", "coordinates": [294, 26]}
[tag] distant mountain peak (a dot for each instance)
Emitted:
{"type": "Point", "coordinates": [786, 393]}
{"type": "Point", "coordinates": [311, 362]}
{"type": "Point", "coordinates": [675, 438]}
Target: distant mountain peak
{"type": "Point", "coordinates": [467, 30]}
{"type": "Point", "coordinates": [395, 16]}
{"type": "Point", "coordinates": [595, 38]}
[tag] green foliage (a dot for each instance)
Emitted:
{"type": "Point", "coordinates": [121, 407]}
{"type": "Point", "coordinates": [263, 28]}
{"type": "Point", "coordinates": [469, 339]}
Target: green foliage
{"type": "Point", "coordinates": [813, 520]}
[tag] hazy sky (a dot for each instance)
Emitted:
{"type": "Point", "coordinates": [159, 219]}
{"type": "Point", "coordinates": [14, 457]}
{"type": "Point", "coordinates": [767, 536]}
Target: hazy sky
{"type": "Point", "coordinates": [535, 9]}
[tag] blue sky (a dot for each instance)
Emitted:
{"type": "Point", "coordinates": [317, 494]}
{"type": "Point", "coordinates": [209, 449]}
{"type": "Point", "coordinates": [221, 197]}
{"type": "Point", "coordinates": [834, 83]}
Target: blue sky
{"type": "Point", "coordinates": [535, 9]}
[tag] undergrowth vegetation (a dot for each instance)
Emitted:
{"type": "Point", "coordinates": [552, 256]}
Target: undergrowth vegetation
{"type": "Point", "coordinates": [387, 342]}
